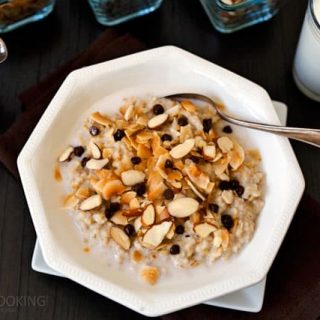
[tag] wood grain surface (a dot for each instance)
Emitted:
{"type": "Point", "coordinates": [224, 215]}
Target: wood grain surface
{"type": "Point", "coordinates": [263, 54]}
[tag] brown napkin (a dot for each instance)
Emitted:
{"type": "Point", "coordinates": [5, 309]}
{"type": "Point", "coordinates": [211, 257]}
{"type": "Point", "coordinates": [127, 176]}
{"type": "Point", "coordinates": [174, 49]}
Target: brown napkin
{"type": "Point", "coordinates": [293, 283]}
{"type": "Point", "coordinates": [109, 45]}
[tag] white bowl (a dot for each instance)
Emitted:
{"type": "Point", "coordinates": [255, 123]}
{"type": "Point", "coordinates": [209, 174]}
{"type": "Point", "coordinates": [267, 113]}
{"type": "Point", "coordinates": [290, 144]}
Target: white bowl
{"type": "Point", "coordinates": [158, 72]}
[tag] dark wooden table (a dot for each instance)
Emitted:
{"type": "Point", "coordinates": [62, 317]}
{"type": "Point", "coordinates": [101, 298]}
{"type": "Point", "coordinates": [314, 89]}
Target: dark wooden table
{"type": "Point", "coordinates": [263, 54]}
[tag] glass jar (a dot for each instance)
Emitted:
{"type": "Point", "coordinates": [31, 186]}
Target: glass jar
{"type": "Point", "coordinates": [231, 15]}
{"type": "Point", "coordinates": [306, 67]}
{"type": "Point", "coordinates": [16, 13]}
{"type": "Point", "coordinates": [112, 12]}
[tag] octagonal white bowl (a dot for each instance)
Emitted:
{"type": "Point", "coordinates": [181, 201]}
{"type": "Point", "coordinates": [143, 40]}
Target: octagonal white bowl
{"type": "Point", "coordinates": [157, 72]}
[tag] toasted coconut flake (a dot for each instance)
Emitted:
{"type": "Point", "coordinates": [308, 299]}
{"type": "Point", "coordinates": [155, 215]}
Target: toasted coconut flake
{"type": "Point", "coordinates": [144, 136]}
{"type": "Point", "coordinates": [185, 133]}
{"type": "Point", "coordinates": [203, 230]}
{"type": "Point", "coordinates": [112, 188]}
{"type": "Point", "coordinates": [129, 113]}
{"type": "Point", "coordinates": [134, 203]}
{"type": "Point", "coordinates": [182, 149]}
{"type": "Point", "coordinates": [150, 274]}
{"type": "Point", "coordinates": [83, 193]}
{"type": "Point", "coordinates": [120, 238]}
{"type": "Point", "coordinates": [195, 218]}
{"type": "Point", "coordinates": [156, 186]}
{"type": "Point", "coordinates": [163, 215]}
{"type": "Point", "coordinates": [95, 164]}
{"type": "Point", "coordinates": [119, 218]}
{"type": "Point", "coordinates": [90, 203]}
{"type": "Point", "coordinates": [170, 233]}
{"type": "Point", "coordinates": [132, 177]}
{"type": "Point", "coordinates": [66, 155]}
{"type": "Point", "coordinates": [143, 152]}
{"type": "Point", "coordinates": [221, 166]}
{"type": "Point", "coordinates": [189, 106]}
{"type": "Point", "coordinates": [101, 119]}
{"type": "Point", "coordinates": [183, 207]}
{"type": "Point", "coordinates": [200, 179]}
{"type": "Point", "coordinates": [225, 144]}
{"type": "Point", "coordinates": [221, 238]}
{"type": "Point", "coordinates": [148, 216]}
{"type": "Point", "coordinates": [137, 224]}
{"type": "Point", "coordinates": [127, 196]}
{"type": "Point", "coordinates": [70, 201]}
{"type": "Point", "coordinates": [157, 121]}
{"type": "Point", "coordinates": [173, 111]}
{"type": "Point", "coordinates": [155, 235]}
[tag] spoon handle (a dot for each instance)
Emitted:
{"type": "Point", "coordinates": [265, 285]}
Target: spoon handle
{"type": "Point", "coordinates": [311, 136]}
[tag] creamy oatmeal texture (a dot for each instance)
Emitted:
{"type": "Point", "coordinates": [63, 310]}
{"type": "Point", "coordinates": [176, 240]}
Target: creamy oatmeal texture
{"type": "Point", "coordinates": [165, 183]}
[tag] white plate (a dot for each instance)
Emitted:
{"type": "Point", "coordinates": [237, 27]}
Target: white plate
{"type": "Point", "coordinates": [156, 72]}
{"type": "Point", "coordinates": [248, 299]}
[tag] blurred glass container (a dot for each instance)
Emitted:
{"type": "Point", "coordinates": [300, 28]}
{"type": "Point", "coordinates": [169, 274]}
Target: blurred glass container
{"type": "Point", "coordinates": [112, 12]}
{"type": "Point", "coordinates": [16, 13]}
{"type": "Point", "coordinates": [231, 15]}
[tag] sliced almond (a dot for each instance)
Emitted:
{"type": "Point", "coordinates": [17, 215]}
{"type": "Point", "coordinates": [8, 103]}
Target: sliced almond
{"type": "Point", "coordinates": [237, 156]}
{"type": "Point", "coordinates": [112, 188]}
{"type": "Point", "coordinates": [119, 236]}
{"type": "Point", "coordinates": [183, 207]}
{"type": "Point", "coordinates": [92, 202]}
{"type": "Point", "coordinates": [70, 201]}
{"type": "Point", "coordinates": [225, 144]}
{"type": "Point", "coordinates": [195, 218]}
{"type": "Point", "coordinates": [203, 230]}
{"type": "Point", "coordinates": [95, 150]}
{"type": "Point", "coordinates": [209, 152]}
{"type": "Point", "coordinates": [95, 164]}
{"type": "Point", "coordinates": [148, 216]}
{"type": "Point", "coordinates": [182, 149]}
{"type": "Point", "coordinates": [155, 235]}
{"type": "Point", "coordinates": [227, 196]}
{"type": "Point", "coordinates": [119, 218]}
{"type": "Point", "coordinates": [195, 190]}
{"type": "Point", "coordinates": [66, 155]}
{"type": "Point", "coordinates": [127, 196]}
{"type": "Point", "coordinates": [132, 177]}
{"type": "Point", "coordinates": [158, 120]}
{"type": "Point", "coordinates": [150, 274]}
{"type": "Point", "coordinates": [163, 215]}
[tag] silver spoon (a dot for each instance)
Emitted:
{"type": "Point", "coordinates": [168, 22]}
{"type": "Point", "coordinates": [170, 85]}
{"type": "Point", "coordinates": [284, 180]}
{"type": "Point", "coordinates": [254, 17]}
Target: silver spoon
{"type": "Point", "coordinates": [311, 136]}
{"type": "Point", "coordinates": [3, 51]}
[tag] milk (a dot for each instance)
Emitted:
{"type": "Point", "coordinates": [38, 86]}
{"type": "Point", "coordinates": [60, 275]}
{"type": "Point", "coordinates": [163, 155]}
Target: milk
{"type": "Point", "coordinates": [306, 70]}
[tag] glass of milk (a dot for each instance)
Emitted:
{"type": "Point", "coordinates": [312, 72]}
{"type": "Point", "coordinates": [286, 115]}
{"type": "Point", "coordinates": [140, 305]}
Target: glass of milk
{"type": "Point", "coordinates": [306, 69]}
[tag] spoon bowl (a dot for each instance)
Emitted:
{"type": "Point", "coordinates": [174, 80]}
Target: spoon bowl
{"type": "Point", "coordinates": [310, 136]}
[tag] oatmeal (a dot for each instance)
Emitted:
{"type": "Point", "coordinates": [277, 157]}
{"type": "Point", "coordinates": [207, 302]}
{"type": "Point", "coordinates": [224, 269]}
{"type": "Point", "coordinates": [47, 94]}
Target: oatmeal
{"type": "Point", "coordinates": [165, 183]}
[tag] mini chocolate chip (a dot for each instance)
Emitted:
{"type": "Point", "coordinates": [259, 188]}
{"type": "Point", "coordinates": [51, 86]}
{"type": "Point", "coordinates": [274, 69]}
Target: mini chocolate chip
{"type": "Point", "coordinates": [158, 109]}
{"type": "Point", "coordinates": [234, 184]}
{"type": "Point", "coordinates": [94, 131]}
{"type": "Point", "coordinates": [168, 164]}
{"type": "Point", "coordinates": [84, 161]}
{"type": "Point", "coordinates": [175, 249]}
{"type": "Point", "coordinates": [108, 214]}
{"type": "Point", "coordinates": [183, 121]}
{"type": "Point", "coordinates": [139, 188]}
{"type": "Point", "coordinates": [179, 229]}
{"type": "Point", "coordinates": [214, 207]}
{"type": "Point", "coordinates": [129, 229]}
{"type": "Point", "coordinates": [207, 125]}
{"type": "Point", "coordinates": [227, 129]}
{"type": "Point", "coordinates": [114, 206]}
{"type": "Point", "coordinates": [224, 185]}
{"type": "Point", "coordinates": [194, 159]}
{"type": "Point", "coordinates": [78, 151]}
{"type": "Point", "coordinates": [166, 137]}
{"type": "Point", "coordinates": [227, 221]}
{"type": "Point", "coordinates": [135, 160]}
{"type": "Point", "coordinates": [118, 135]}
{"type": "Point", "coordinates": [239, 191]}
{"type": "Point", "coordinates": [187, 235]}
{"type": "Point", "coordinates": [168, 194]}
